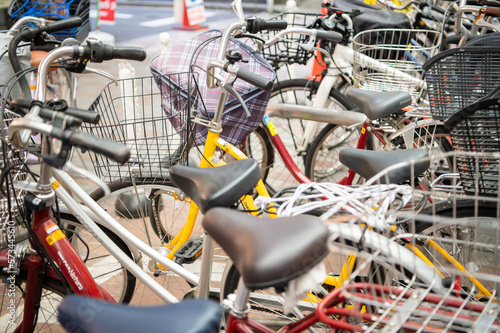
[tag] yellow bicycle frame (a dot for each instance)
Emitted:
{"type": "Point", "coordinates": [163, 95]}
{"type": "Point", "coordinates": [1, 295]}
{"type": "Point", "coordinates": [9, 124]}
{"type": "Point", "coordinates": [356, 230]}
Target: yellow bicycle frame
{"type": "Point", "coordinates": [213, 142]}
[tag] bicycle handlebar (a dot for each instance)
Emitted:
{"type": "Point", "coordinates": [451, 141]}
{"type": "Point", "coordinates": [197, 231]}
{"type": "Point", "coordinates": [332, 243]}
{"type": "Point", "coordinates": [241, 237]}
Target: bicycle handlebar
{"type": "Point", "coordinates": [61, 25]}
{"type": "Point", "coordinates": [332, 36]}
{"type": "Point", "coordinates": [478, 10]}
{"type": "Point", "coordinates": [30, 33]}
{"type": "Point", "coordinates": [111, 149]}
{"type": "Point", "coordinates": [327, 35]}
{"type": "Point", "coordinates": [492, 3]}
{"type": "Point", "coordinates": [22, 106]}
{"type": "Point", "coordinates": [493, 11]}
{"type": "Point", "coordinates": [97, 51]}
{"type": "Point", "coordinates": [23, 20]}
{"type": "Point", "coordinates": [94, 51]}
{"type": "Point", "coordinates": [255, 24]}
{"type": "Point", "coordinates": [254, 79]}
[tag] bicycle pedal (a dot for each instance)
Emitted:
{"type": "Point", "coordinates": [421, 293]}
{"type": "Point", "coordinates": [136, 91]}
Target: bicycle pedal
{"type": "Point", "coordinates": [189, 252]}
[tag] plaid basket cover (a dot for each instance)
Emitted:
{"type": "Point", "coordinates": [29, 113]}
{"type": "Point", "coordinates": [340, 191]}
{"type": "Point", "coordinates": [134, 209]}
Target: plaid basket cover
{"type": "Point", "coordinates": [236, 126]}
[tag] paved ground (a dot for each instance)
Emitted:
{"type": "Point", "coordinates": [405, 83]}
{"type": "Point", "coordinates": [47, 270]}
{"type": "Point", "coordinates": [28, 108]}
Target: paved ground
{"type": "Point", "coordinates": [148, 24]}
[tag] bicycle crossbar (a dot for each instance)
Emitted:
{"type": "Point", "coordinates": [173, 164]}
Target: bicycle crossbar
{"type": "Point", "coordinates": [338, 117]}
{"type": "Point", "coordinates": [74, 207]}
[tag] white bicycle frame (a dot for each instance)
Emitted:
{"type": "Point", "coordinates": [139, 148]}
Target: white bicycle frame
{"type": "Point", "coordinates": [341, 64]}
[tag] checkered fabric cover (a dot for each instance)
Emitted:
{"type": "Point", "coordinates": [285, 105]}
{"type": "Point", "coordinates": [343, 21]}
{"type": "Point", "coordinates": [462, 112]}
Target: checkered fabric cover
{"type": "Point", "coordinates": [181, 57]}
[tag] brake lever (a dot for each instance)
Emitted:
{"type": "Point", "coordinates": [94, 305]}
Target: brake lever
{"type": "Point", "coordinates": [308, 47]}
{"type": "Point", "coordinates": [228, 86]}
{"type": "Point", "coordinates": [100, 72]}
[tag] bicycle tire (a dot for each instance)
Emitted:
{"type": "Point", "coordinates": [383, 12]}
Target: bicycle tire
{"type": "Point", "coordinates": [104, 268]}
{"type": "Point", "coordinates": [53, 291]}
{"type": "Point", "coordinates": [477, 249]}
{"type": "Point", "coordinates": [171, 215]}
{"type": "Point", "coordinates": [322, 162]}
{"type": "Point", "coordinates": [258, 146]}
{"type": "Point", "coordinates": [300, 92]}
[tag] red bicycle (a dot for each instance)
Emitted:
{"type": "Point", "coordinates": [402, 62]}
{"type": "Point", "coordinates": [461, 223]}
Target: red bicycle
{"type": "Point", "coordinates": [39, 260]}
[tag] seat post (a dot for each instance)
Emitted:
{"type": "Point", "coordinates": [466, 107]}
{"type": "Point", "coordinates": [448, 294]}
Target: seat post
{"type": "Point", "coordinates": [242, 297]}
{"type": "Point", "coordinates": [206, 266]}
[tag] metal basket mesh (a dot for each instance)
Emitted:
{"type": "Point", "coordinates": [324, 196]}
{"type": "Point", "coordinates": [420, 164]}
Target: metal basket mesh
{"type": "Point", "coordinates": [479, 133]}
{"type": "Point", "coordinates": [288, 51]}
{"type": "Point", "coordinates": [392, 59]}
{"type": "Point", "coordinates": [11, 199]}
{"type": "Point", "coordinates": [55, 10]}
{"type": "Point", "coordinates": [456, 78]}
{"type": "Point", "coordinates": [131, 113]}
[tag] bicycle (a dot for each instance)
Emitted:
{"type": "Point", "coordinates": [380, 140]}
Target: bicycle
{"type": "Point", "coordinates": [224, 225]}
{"type": "Point", "coordinates": [62, 84]}
{"type": "Point", "coordinates": [295, 92]}
{"type": "Point", "coordinates": [156, 206]}
{"type": "Point", "coordinates": [32, 271]}
{"type": "Point", "coordinates": [97, 212]}
{"type": "Point", "coordinates": [428, 132]}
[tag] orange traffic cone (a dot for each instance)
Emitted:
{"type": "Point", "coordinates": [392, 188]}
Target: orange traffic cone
{"type": "Point", "coordinates": [319, 65]}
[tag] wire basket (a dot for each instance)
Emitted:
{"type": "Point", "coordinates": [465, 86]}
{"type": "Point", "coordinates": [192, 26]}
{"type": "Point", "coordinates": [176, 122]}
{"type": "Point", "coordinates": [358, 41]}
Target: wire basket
{"type": "Point", "coordinates": [458, 77]}
{"type": "Point", "coordinates": [434, 267]}
{"type": "Point", "coordinates": [131, 113]}
{"type": "Point", "coordinates": [476, 129]}
{"type": "Point", "coordinates": [393, 309]}
{"type": "Point", "coordinates": [11, 198]}
{"type": "Point", "coordinates": [194, 55]}
{"type": "Point", "coordinates": [392, 59]}
{"type": "Point", "coordinates": [437, 270]}
{"type": "Point", "coordinates": [288, 51]}
{"type": "Point", "coordinates": [55, 10]}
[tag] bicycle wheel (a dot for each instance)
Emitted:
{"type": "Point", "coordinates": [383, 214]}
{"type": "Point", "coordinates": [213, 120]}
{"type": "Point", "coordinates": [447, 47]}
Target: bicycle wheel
{"type": "Point", "coordinates": [291, 131]}
{"type": "Point", "coordinates": [258, 146]}
{"type": "Point", "coordinates": [154, 213]}
{"type": "Point", "coordinates": [52, 293]}
{"type": "Point", "coordinates": [470, 235]}
{"type": "Point", "coordinates": [105, 269]}
{"type": "Point", "coordinates": [431, 136]}
{"type": "Point", "coordinates": [322, 162]}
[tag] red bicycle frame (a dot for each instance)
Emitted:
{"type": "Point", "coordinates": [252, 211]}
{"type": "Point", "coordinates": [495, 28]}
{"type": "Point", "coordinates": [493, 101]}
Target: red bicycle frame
{"type": "Point", "coordinates": [57, 246]}
{"type": "Point", "coordinates": [294, 169]}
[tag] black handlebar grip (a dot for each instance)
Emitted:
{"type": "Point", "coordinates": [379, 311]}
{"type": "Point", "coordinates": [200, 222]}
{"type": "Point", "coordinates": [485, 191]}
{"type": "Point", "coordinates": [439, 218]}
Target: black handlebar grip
{"type": "Point", "coordinates": [276, 25]}
{"type": "Point", "coordinates": [111, 149]}
{"type": "Point", "coordinates": [97, 51]}
{"type": "Point", "coordinates": [256, 25]}
{"type": "Point", "coordinates": [329, 35]}
{"type": "Point", "coordinates": [129, 53]}
{"type": "Point", "coordinates": [87, 116]}
{"type": "Point", "coordinates": [69, 23]}
{"type": "Point", "coordinates": [254, 79]}
{"type": "Point", "coordinates": [123, 52]}
{"type": "Point", "coordinates": [453, 39]}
